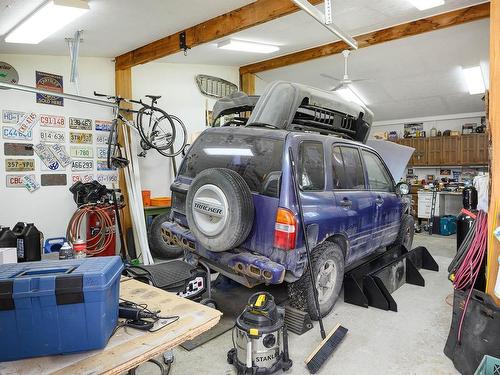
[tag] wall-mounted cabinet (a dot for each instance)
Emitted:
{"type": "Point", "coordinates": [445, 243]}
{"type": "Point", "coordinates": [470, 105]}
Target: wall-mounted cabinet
{"type": "Point", "coordinates": [470, 149]}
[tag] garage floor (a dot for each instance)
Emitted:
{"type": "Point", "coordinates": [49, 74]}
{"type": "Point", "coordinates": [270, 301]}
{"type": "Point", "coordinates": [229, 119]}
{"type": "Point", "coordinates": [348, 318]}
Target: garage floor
{"type": "Point", "coordinates": [410, 341]}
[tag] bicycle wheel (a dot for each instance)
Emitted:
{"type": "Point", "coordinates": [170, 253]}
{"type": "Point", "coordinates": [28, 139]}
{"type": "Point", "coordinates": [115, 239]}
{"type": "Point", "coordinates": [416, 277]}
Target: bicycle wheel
{"type": "Point", "coordinates": [115, 158]}
{"type": "Point", "coordinates": [158, 131]}
{"type": "Point", "coordinates": [112, 143]}
{"type": "Point", "coordinates": [172, 152]}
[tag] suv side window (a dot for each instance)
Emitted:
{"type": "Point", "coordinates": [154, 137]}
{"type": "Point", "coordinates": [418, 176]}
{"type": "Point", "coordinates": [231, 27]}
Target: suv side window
{"type": "Point", "coordinates": [311, 166]}
{"type": "Point", "coordinates": [348, 171]}
{"type": "Point", "coordinates": [378, 177]}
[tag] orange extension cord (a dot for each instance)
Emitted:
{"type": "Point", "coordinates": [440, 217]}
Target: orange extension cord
{"type": "Point", "coordinates": [101, 240]}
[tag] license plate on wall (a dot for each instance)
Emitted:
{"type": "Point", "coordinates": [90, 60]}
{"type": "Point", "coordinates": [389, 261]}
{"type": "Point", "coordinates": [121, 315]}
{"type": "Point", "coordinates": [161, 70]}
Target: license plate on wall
{"type": "Point", "coordinates": [52, 136]}
{"type": "Point", "coordinates": [19, 165]}
{"type": "Point", "coordinates": [82, 165]}
{"type": "Point", "coordinates": [15, 180]}
{"type": "Point", "coordinates": [102, 165]}
{"type": "Point", "coordinates": [102, 152]}
{"type": "Point", "coordinates": [9, 132]}
{"type": "Point", "coordinates": [102, 139]}
{"type": "Point", "coordinates": [52, 121]}
{"type": "Point", "coordinates": [81, 151]}
{"type": "Point", "coordinates": [107, 178]}
{"type": "Point", "coordinates": [80, 123]}
{"type": "Point", "coordinates": [103, 126]}
{"type": "Point", "coordinates": [82, 177]}
{"type": "Point", "coordinates": [12, 117]}
{"type": "Point", "coordinates": [85, 138]}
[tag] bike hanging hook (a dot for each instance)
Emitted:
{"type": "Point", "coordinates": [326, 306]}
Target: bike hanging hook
{"type": "Point", "coordinates": [182, 42]}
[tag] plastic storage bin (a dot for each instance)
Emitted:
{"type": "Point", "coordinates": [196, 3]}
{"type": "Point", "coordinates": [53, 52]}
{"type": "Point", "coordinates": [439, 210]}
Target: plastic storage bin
{"type": "Point", "coordinates": [448, 225]}
{"type": "Point", "coordinates": [61, 306]}
{"type": "Point", "coordinates": [488, 366]}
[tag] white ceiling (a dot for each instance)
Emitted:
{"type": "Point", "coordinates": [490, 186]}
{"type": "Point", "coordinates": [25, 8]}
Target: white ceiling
{"type": "Point", "coordinates": [113, 27]}
{"type": "Point", "coordinates": [299, 31]}
{"type": "Point", "coordinates": [411, 77]}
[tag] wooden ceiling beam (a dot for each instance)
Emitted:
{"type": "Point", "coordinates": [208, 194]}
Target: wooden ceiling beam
{"type": "Point", "coordinates": [440, 21]}
{"type": "Point", "coordinates": [250, 15]}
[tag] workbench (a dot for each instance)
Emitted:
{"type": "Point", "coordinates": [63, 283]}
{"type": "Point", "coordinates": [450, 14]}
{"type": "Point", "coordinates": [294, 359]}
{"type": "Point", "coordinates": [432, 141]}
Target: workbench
{"type": "Point", "coordinates": [129, 347]}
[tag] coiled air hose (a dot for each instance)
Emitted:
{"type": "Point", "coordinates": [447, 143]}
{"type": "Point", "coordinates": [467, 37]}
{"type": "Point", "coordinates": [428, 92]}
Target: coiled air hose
{"type": "Point", "coordinates": [465, 267]}
{"type": "Point", "coordinates": [102, 238]}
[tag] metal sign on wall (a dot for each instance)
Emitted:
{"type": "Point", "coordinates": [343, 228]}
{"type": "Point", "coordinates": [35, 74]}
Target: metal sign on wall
{"type": "Point", "coordinates": [49, 82]}
{"type": "Point", "coordinates": [8, 74]}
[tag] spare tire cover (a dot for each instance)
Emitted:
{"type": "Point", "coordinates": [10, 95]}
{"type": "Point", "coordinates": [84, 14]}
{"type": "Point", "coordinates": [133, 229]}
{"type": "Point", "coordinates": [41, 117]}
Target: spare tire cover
{"type": "Point", "coordinates": [219, 209]}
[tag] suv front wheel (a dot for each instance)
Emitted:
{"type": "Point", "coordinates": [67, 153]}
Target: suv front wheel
{"type": "Point", "coordinates": [328, 267]}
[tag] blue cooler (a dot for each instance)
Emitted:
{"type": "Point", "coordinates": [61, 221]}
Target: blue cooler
{"type": "Point", "coordinates": [61, 306]}
{"type": "Point", "coordinates": [448, 225]}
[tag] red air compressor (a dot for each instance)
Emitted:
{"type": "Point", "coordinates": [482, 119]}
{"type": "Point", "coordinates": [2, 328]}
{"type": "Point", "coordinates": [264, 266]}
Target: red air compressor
{"type": "Point", "coordinates": [100, 232]}
{"type": "Point", "coordinates": [95, 220]}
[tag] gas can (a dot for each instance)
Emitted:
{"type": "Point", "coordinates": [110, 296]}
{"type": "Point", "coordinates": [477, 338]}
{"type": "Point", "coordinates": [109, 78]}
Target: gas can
{"type": "Point", "coordinates": [7, 237]}
{"type": "Point", "coordinates": [29, 242]}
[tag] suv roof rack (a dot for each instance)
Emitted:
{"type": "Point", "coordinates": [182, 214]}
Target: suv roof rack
{"type": "Point", "coordinates": [292, 106]}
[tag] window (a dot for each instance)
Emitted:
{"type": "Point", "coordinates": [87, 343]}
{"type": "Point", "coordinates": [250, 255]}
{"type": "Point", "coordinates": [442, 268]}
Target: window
{"type": "Point", "coordinates": [255, 158]}
{"type": "Point", "coordinates": [347, 168]}
{"type": "Point", "coordinates": [378, 177]}
{"type": "Point", "coordinates": [311, 166]}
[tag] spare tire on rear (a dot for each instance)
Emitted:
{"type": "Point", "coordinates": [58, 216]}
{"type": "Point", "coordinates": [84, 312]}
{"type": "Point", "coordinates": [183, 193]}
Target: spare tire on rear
{"type": "Point", "coordinates": [219, 209]}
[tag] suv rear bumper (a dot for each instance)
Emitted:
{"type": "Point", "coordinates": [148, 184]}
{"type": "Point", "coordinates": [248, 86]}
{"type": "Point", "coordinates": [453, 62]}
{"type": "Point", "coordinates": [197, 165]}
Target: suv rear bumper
{"type": "Point", "coordinates": [255, 266]}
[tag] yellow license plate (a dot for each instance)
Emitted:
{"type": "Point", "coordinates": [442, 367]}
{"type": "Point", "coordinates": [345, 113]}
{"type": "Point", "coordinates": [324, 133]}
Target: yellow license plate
{"type": "Point", "coordinates": [19, 165]}
{"type": "Point", "coordinates": [85, 138]}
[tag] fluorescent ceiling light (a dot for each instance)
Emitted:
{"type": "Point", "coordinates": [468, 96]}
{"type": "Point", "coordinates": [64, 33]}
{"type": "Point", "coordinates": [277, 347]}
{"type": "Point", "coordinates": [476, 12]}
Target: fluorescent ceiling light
{"type": "Point", "coordinates": [228, 151]}
{"type": "Point", "coordinates": [244, 46]}
{"type": "Point", "coordinates": [46, 20]}
{"type": "Point", "coordinates": [348, 94]}
{"type": "Point", "coordinates": [426, 4]}
{"type": "Point", "coordinates": [474, 79]}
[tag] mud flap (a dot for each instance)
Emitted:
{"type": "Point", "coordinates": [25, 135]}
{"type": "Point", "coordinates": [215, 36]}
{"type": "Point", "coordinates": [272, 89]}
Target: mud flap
{"type": "Point", "coordinates": [373, 282]}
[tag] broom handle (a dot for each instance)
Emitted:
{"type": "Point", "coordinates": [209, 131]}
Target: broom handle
{"type": "Point", "coordinates": [306, 240]}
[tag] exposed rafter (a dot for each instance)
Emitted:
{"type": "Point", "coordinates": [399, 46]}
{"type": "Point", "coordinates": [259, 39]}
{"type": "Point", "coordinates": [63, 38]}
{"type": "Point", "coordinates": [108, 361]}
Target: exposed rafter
{"type": "Point", "coordinates": [250, 15]}
{"type": "Point", "coordinates": [440, 21]}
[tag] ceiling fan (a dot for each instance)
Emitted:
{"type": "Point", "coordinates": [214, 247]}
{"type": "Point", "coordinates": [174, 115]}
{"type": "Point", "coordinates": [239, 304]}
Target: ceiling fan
{"type": "Point", "coordinates": [346, 80]}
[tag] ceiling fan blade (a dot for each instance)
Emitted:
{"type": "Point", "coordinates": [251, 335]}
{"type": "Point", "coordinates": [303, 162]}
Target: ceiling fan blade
{"type": "Point", "coordinates": [362, 80]}
{"type": "Point", "coordinates": [338, 87]}
{"type": "Point", "coordinates": [329, 77]}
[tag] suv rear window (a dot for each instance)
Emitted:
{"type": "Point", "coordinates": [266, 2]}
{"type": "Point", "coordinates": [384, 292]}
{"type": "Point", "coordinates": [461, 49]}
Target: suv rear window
{"type": "Point", "coordinates": [256, 159]}
{"type": "Point", "coordinates": [311, 166]}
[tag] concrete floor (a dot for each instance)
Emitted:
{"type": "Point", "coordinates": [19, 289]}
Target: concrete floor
{"type": "Point", "coordinates": [410, 341]}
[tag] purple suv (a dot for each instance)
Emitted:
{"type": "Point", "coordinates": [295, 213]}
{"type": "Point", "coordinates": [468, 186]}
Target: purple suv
{"type": "Point", "coordinates": [234, 204]}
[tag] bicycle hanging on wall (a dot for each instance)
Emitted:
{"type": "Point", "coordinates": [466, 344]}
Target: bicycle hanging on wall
{"type": "Point", "coordinates": [157, 129]}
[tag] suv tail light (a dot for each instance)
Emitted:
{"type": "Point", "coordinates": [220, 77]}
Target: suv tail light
{"type": "Point", "coordinates": [285, 229]}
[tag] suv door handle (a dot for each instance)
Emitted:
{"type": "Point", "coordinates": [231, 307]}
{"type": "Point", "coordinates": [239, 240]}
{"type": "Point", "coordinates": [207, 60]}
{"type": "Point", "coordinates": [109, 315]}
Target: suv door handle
{"type": "Point", "coordinates": [346, 203]}
{"type": "Point", "coordinates": [379, 201]}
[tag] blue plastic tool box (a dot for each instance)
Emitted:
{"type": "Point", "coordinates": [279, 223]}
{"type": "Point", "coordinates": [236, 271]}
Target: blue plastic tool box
{"type": "Point", "coordinates": [448, 225]}
{"type": "Point", "coordinates": [61, 306]}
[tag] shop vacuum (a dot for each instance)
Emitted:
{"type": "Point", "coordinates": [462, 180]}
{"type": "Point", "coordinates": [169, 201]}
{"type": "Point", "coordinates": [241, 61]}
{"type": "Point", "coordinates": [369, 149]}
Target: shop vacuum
{"type": "Point", "coordinates": [260, 338]}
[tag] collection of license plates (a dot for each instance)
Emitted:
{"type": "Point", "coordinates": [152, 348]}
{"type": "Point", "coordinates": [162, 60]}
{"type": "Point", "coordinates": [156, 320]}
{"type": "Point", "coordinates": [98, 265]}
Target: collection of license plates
{"type": "Point", "coordinates": [55, 146]}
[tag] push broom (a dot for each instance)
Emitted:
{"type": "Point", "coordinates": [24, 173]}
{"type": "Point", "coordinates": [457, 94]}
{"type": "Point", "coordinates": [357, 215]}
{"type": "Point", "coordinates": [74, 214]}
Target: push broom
{"type": "Point", "coordinates": [330, 342]}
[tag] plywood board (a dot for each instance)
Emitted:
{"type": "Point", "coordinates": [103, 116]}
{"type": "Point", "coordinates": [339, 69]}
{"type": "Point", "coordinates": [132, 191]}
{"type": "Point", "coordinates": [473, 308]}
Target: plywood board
{"type": "Point", "coordinates": [128, 347]}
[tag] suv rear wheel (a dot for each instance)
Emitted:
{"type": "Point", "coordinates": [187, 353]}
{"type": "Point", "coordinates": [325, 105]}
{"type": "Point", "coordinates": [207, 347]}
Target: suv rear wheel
{"type": "Point", "coordinates": [328, 267]}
